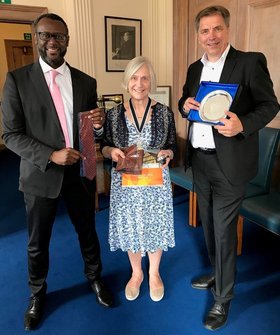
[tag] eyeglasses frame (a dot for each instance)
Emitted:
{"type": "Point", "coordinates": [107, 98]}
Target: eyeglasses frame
{"type": "Point", "coordinates": [52, 35]}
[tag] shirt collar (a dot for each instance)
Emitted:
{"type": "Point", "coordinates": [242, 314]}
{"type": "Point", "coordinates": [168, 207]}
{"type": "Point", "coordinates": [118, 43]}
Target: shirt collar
{"type": "Point", "coordinates": [205, 60]}
{"type": "Point", "coordinates": [47, 68]}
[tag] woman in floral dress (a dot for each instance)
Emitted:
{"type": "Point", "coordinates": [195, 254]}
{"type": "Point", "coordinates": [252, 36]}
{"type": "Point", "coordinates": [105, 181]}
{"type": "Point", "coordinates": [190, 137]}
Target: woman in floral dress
{"type": "Point", "coordinates": [141, 217]}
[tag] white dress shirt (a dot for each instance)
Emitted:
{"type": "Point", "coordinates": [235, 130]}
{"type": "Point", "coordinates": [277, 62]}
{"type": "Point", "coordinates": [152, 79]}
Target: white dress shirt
{"type": "Point", "coordinates": [201, 134]}
{"type": "Point", "coordinates": [64, 83]}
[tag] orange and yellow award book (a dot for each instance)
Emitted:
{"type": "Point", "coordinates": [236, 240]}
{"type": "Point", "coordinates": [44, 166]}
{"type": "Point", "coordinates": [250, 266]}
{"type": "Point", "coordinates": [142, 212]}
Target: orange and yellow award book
{"type": "Point", "coordinates": [148, 177]}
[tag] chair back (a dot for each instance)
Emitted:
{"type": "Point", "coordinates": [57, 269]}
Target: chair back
{"type": "Point", "coordinates": [182, 178]}
{"type": "Point", "coordinates": [264, 210]}
{"type": "Point", "coordinates": [268, 144]}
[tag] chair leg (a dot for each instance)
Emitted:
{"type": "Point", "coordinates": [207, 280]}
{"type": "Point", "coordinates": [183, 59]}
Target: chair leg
{"type": "Point", "coordinates": [239, 234]}
{"type": "Point", "coordinates": [193, 209]}
{"type": "Point", "coordinates": [191, 194]}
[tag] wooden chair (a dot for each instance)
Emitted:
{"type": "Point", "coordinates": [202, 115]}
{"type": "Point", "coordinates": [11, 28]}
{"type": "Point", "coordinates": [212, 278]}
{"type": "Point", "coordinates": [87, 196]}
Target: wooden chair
{"type": "Point", "coordinates": [263, 210]}
{"type": "Point", "coordinates": [268, 144]}
{"type": "Point", "coordinates": [260, 185]}
{"type": "Point", "coordinates": [184, 179]}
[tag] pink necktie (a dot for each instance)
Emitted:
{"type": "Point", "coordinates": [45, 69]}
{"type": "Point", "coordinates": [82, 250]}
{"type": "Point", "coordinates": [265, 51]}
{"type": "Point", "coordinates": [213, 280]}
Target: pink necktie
{"type": "Point", "coordinates": [87, 146]}
{"type": "Point", "coordinates": [57, 99]}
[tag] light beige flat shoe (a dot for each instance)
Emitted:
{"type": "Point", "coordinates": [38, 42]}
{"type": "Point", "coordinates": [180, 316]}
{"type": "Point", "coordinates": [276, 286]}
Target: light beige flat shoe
{"type": "Point", "coordinates": [132, 292]}
{"type": "Point", "coordinates": [157, 294]}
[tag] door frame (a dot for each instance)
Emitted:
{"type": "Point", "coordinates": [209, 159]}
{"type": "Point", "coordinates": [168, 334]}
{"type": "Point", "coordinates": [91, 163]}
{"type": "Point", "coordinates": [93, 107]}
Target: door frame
{"type": "Point", "coordinates": [22, 14]}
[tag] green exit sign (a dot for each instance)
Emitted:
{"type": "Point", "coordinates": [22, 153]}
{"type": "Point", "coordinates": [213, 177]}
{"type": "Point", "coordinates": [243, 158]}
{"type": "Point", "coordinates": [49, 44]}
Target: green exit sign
{"type": "Point", "coordinates": [5, 1]}
{"type": "Point", "coordinates": [27, 36]}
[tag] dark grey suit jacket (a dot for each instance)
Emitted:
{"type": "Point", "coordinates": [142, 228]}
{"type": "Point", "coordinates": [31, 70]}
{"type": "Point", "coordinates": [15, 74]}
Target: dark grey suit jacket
{"type": "Point", "coordinates": [256, 105]}
{"type": "Point", "coordinates": [31, 126]}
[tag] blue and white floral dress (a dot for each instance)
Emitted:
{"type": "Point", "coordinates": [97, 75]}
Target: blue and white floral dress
{"type": "Point", "coordinates": [141, 218]}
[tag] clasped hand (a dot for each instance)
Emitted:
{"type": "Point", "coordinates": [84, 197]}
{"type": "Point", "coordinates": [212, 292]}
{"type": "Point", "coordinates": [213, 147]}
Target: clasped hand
{"type": "Point", "coordinates": [97, 117]}
{"type": "Point", "coordinates": [66, 156]}
{"type": "Point", "coordinates": [69, 156]}
{"type": "Point", "coordinates": [231, 125]}
{"type": "Point", "coordinates": [116, 153]}
{"type": "Point", "coordinates": [167, 154]}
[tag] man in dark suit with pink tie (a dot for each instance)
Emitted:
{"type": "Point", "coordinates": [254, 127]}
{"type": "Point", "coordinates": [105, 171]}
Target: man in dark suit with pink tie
{"type": "Point", "coordinates": [224, 157]}
{"type": "Point", "coordinates": [50, 169]}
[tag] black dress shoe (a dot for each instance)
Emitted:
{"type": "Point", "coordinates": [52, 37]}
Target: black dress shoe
{"type": "Point", "coordinates": [103, 296]}
{"type": "Point", "coordinates": [203, 282]}
{"type": "Point", "coordinates": [217, 316]}
{"type": "Point", "coordinates": [34, 311]}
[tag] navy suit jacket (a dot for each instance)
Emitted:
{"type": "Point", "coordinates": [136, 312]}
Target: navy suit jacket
{"type": "Point", "coordinates": [31, 126]}
{"type": "Point", "coordinates": [255, 104]}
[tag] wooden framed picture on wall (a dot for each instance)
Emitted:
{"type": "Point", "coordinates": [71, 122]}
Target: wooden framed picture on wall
{"type": "Point", "coordinates": [162, 95]}
{"type": "Point", "coordinates": [123, 41]}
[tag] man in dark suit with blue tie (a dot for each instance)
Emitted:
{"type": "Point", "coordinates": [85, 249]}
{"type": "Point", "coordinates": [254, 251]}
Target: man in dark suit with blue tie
{"type": "Point", "coordinates": [224, 157]}
{"type": "Point", "coordinates": [50, 169]}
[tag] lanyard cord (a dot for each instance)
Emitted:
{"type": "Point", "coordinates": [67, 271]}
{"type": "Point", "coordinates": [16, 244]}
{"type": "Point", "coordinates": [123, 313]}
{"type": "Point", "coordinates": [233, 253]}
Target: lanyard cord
{"type": "Point", "coordinates": [140, 127]}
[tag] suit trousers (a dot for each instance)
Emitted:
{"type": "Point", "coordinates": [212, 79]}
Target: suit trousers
{"type": "Point", "coordinates": [218, 202]}
{"type": "Point", "coordinates": [78, 196]}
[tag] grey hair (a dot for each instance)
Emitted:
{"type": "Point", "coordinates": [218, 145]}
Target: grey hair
{"type": "Point", "coordinates": [133, 66]}
{"type": "Point", "coordinates": [212, 10]}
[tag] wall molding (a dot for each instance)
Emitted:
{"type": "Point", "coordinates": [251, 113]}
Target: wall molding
{"type": "Point", "coordinates": [79, 18]}
{"type": "Point", "coordinates": [161, 39]}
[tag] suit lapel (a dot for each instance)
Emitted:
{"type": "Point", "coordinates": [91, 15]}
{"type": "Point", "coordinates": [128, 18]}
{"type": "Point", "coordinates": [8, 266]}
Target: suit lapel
{"type": "Point", "coordinates": [41, 91]}
{"type": "Point", "coordinates": [229, 66]}
{"type": "Point", "coordinates": [77, 93]}
{"type": "Point", "coordinates": [196, 79]}
{"type": "Point", "coordinates": [39, 82]}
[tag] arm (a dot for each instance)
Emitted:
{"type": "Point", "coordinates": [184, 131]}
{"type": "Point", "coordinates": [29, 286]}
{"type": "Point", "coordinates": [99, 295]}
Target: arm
{"type": "Point", "coordinates": [257, 104]}
{"type": "Point", "coordinates": [187, 101]}
{"type": "Point", "coordinates": [185, 96]}
{"type": "Point", "coordinates": [108, 148]}
{"type": "Point", "coordinates": [169, 148]}
{"type": "Point", "coordinates": [112, 153]}
{"type": "Point", "coordinates": [265, 105]}
{"type": "Point", "coordinates": [171, 142]}
{"type": "Point", "coordinates": [17, 126]}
